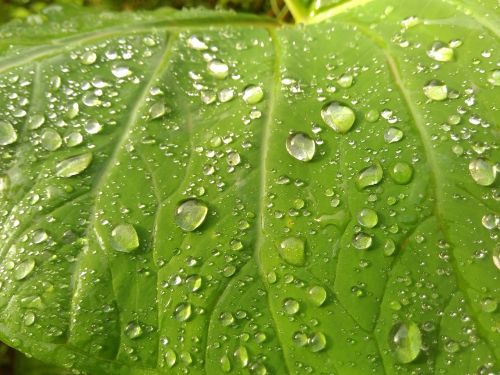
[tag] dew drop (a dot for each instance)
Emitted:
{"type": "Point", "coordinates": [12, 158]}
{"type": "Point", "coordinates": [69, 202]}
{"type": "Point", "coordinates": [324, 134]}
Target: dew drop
{"type": "Point", "coordinates": [50, 140]}
{"type": "Point", "coordinates": [233, 159]}
{"type": "Point", "coordinates": [389, 247]}
{"type": "Point", "coordinates": [483, 171]}
{"type": "Point", "coordinates": [494, 77]}
{"type": "Point", "coordinates": [401, 173]}
{"type": "Point", "coordinates": [120, 71]}
{"type": "Point", "coordinates": [406, 341]}
{"type": "Point", "coordinates": [73, 139]}
{"type": "Point", "coordinates": [23, 269]}
{"type": "Point", "coordinates": [29, 318]}
{"type": "Point", "coordinates": [489, 305]}
{"type": "Point", "coordinates": [291, 306]}
{"type": "Point", "coordinates": [88, 58]}
{"type": "Point", "coordinates": [183, 311]}
{"type": "Point", "coordinates": [225, 363]}
{"type": "Point", "coordinates": [367, 218]}
{"type": "Point", "coordinates": [345, 80]}
{"type": "Point", "coordinates": [218, 69]}
{"type": "Point", "coordinates": [124, 238]}
{"type": "Point", "coordinates": [195, 43]}
{"type": "Point", "coordinates": [190, 214]}
{"type": "Point", "coordinates": [362, 241]}
{"type": "Point", "coordinates": [300, 146]}
{"type": "Point", "coordinates": [253, 94]}
{"type": "Point", "coordinates": [93, 127]}
{"type": "Point", "coordinates": [170, 358]}
{"type": "Point", "coordinates": [393, 135]}
{"type": "Point", "coordinates": [338, 116]}
{"type": "Point", "coordinates": [241, 354]}
{"type": "Point", "coordinates": [372, 115]}
{"type": "Point", "coordinates": [317, 342]}
{"type": "Point", "coordinates": [157, 110]}
{"type": "Point", "coordinates": [73, 165]}
{"type": "Point", "coordinates": [133, 330]}
{"type": "Point", "coordinates": [317, 295]}
{"type": "Point", "coordinates": [8, 134]}
{"type": "Point", "coordinates": [35, 121]}
{"type": "Point", "coordinates": [292, 250]}
{"type": "Point", "coordinates": [436, 90]}
{"type": "Point", "coordinates": [370, 176]}
{"type": "Point", "coordinates": [440, 51]}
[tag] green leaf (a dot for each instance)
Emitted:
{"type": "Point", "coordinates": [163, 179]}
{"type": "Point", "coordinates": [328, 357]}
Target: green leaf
{"type": "Point", "coordinates": [197, 228]}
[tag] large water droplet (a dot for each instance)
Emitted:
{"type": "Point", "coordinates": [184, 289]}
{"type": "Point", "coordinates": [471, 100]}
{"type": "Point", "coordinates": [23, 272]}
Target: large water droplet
{"type": "Point", "coordinates": [362, 241]}
{"type": "Point", "coordinates": [436, 90]}
{"type": "Point", "coordinates": [218, 69]}
{"type": "Point", "coordinates": [225, 363]}
{"type": "Point", "coordinates": [23, 269]}
{"type": "Point", "coordinates": [157, 110]}
{"type": "Point", "coordinates": [35, 121]}
{"type": "Point", "coordinates": [93, 127]}
{"type": "Point", "coordinates": [124, 238]}
{"type": "Point", "coordinates": [370, 176]}
{"type": "Point", "coordinates": [338, 116]}
{"type": "Point", "coordinates": [291, 306]}
{"type": "Point", "coordinates": [300, 146]}
{"type": "Point", "coordinates": [317, 295]}
{"type": "Point", "coordinates": [8, 134]}
{"type": "Point", "coordinates": [170, 358]}
{"type": "Point", "coordinates": [88, 58]}
{"type": "Point", "coordinates": [401, 173]}
{"type": "Point", "coordinates": [393, 135]}
{"type": "Point", "coordinates": [406, 341]}
{"type": "Point", "coordinates": [183, 311]}
{"type": "Point", "coordinates": [317, 342]}
{"type": "Point", "coordinates": [121, 71]}
{"type": "Point", "coordinates": [133, 330]}
{"type": "Point", "coordinates": [440, 51]}
{"type": "Point", "coordinates": [483, 171]}
{"type": "Point", "coordinates": [292, 250]}
{"type": "Point", "coordinates": [367, 217]}
{"type": "Point", "coordinates": [190, 214]}
{"type": "Point", "coordinates": [253, 94]}
{"type": "Point", "coordinates": [242, 355]}
{"type": "Point", "coordinates": [50, 140]}
{"type": "Point", "coordinates": [389, 247]}
{"type": "Point", "coordinates": [73, 165]}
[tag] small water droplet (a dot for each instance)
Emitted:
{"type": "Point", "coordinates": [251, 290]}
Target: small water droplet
{"type": "Point", "coordinates": [225, 363]}
{"type": "Point", "coordinates": [367, 218]}
{"type": "Point", "coordinates": [253, 94]}
{"type": "Point", "coordinates": [190, 214]}
{"type": "Point", "coordinates": [233, 159]}
{"type": "Point", "coordinates": [389, 247]}
{"type": "Point", "coordinates": [120, 71]}
{"type": "Point", "coordinates": [39, 236]}
{"type": "Point", "coordinates": [393, 135]}
{"type": "Point", "coordinates": [489, 304]}
{"type": "Point", "coordinates": [170, 358]}
{"type": "Point", "coordinates": [92, 127]}
{"type": "Point", "coordinates": [183, 311]}
{"type": "Point", "coordinates": [242, 355]}
{"type": "Point", "coordinates": [370, 176]}
{"type": "Point", "coordinates": [436, 90]}
{"type": "Point", "coordinates": [362, 241]}
{"type": "Point", "coordinates": [88, 58]}
{"type": "Point", "coordinates": [300, 146]}
{"type": "Point", "coordinates": [157, 110]}
{"type": "Point", "coordinates": [50, 139]}
{"type": "Point", "coordinates": [483, 171]}
{"type": "Point", "coordinates": [440, 51]}
{"type": "Point", "coordinates": [124, 238]}
{"type": "Point", "coordinates": [133, 330]}
{"type": "Point", "coordinates": [317, 342]}
{"type": "Point", "coordinates": [195, 43]}
{"type": "Point", "coordinates": [401, 173]}
{"type": "Point", "coordinates": [317, 295]}
{"type": "Point", "coordinates": [338, 116]}
{"type": "Point", "coordinates": [23, 269]}
{"type": "Point", "coordinates": [218, 69]}
{"type": "Point", "coordinates": [29, 318]}
{"type": "Point", "coordinates": [73, 165]}
{"type": "Point", "coordinates": [73, 139]}
{"type": "Point", "coordinates": [292, 250]}
{"type": "Point", "coordinates": [291, 306]}
{"type": "Point", "coordinates": [406, 341]}
{"type": "Point", "coordinates": [35, 121]}
{"type": "Point", "coordinates": [372, 115]}
{"type": "Point", "coordinates": [494, 77]}
{"type": "Point", "coordinates": [345, 80]}
{"type": "Point", "coordinates": [8, 134]}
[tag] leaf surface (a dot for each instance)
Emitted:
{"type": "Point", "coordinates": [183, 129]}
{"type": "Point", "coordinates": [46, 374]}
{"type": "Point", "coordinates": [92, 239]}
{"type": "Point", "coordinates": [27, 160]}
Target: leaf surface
{"type": "Point", "coordinates": [120, 118]}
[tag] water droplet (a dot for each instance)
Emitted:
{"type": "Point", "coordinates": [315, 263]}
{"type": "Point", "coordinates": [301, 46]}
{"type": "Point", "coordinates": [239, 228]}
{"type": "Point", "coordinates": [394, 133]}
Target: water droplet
{"type": "Point", "coordinates": [157, 110]}
{"type": "Point", "coordinates": [226, 319]}
{"type": "Point", "coordinates": [242, 355]}
{"type": "Point", "coordinates": [23, 269]}
{"type": "Point", "coordinates": [218, 69]}
{"type": "Point", "coordinates": [133, 330]}
{"type": "Point", "coordinates": [73, 139]}
{"type": "Point", "coordinates": [39, 236]}
{"type": "Point", "coordinates": [73, 165]}
{"type": "Point", "coordinates": [124, 238]}
{"type": "Point", "coordinates": [389, 247]}
{"type": "Point", "coordinates": [190, 214]}
{"type": "Point", "coordinates": [490, 221]}
{"type": "Point", "coordinates": [489, 304]}
{"type": "Point", "coordinates": [233, 159]}
{"type": "Point", "coordinates": [300, 146]}
{"type": "Point", "coordinates": [367, 218]}
{"type": "Point", "coordinates": [225, 363]}
{"type": "Point", "coordinates": [292, 250]}
{"type": "Point", "coordinates": [406, 341]}
{"type": "Point", "coordinates": [317, 295]}
{"type": "Point", "coordinates": [494, 77]}
{"type": "Point", "coordinates": [90, 100]}
{"type": "Point", "coordinates": [29, 318]}
{"type": "Point", "coordinates": [194, 282]}
{"type": "Point", "coordinates": [50, 140]}
{"type": "Point", "coordinates": [338, 116]}
{"type": "Point", "coordinates": [401, 173]}
{"type": "Point", "coordinates": [410, 22]}
{"type": "Point", "coordinates": [345, 80]}
{"type": "Point", "coordinates": [88, 58]}
{"type": "Point", "coordinates": [170, 358]}
{"type": "Point", "coordinates": [436, 90]}
{"type": "Point", "coordinates": [317, 342]}
{"type": "Point", "coordinates": [483, 171]}
{"type": "Point", "coordinates": [300, 338]}
{"type": "Point", "coordinates": [92, 127]}
{"type": "Point", "coordinates": [452, 346]}
{"type": "Point", "coordinates": [8, 134]}
{"type": "Point", "coordinates": [35, 121]}
{"type": "Point", "coordinates": [372, 115]}
{"type": "Point", "coordinates": [393, 134]}
{"type": "Point", "coordinates": [291, 306]}
{"type": "Point", "coordinates": [440, 51]}
{"type": "Point", "coordinates": [120, 71]}
{"type": "Point", "coordinates": [362, 241]}
{"type": "Point", "coordinates": [183, 311]}
{"type": "Point", "coordinates": [253, 94]}
{"type": "Point", "coordinates": [195, 43]}
{"type": "Point", "coordinates": [225, 95]}
{"type": "Point", "coordinates": [370, 176]}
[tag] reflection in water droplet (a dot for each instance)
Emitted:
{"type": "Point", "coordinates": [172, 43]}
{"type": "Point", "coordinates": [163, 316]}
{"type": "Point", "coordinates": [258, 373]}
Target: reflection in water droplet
{"type": "Point", "coordinates": [190, 214]}
{"type": "Point", "coordinates": [73, 165]}
{"type": "Point", "coordinates": [317, 295]}
{"type": "Point", "coordinates": [183, 311]}
{"type": "Point", "coordinates": [436, 90]}
{"type": "Point", "coordinates": [338, 116]}
{"type": "Point", "coordinates": [440, 51]}
{"type": "Point", "coordinates": [218, 69]}
{"type": "Point", "coordinates": [401, 173]}
{"type": "Point", "coordinates": [8, 134]}
{"type": "Point", "coordinates": [370, 176]}
{"type": "Point", "coordinates": [133, 330]}
{"type": "Point", "coordinates": [406, 341]}
{"type": "Point", "coordinates": [483, 171]}
{"type": "Point", "coordinates": [124, 238]}
{"type": "Point", "coordinates": [362, 241]}
{"type": "Point", "coordinates": [300, 146]}
{"type": "Point", "coordinates": [292, 250]}
{"type": "Point", "coordinates": [367, 218]}
{"type": "Point", "coordinates": [253, 94]}
{"type": "Point", "coordinates": [50, 140]}
{"type": "Point", "coordinates": [23, 269]}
